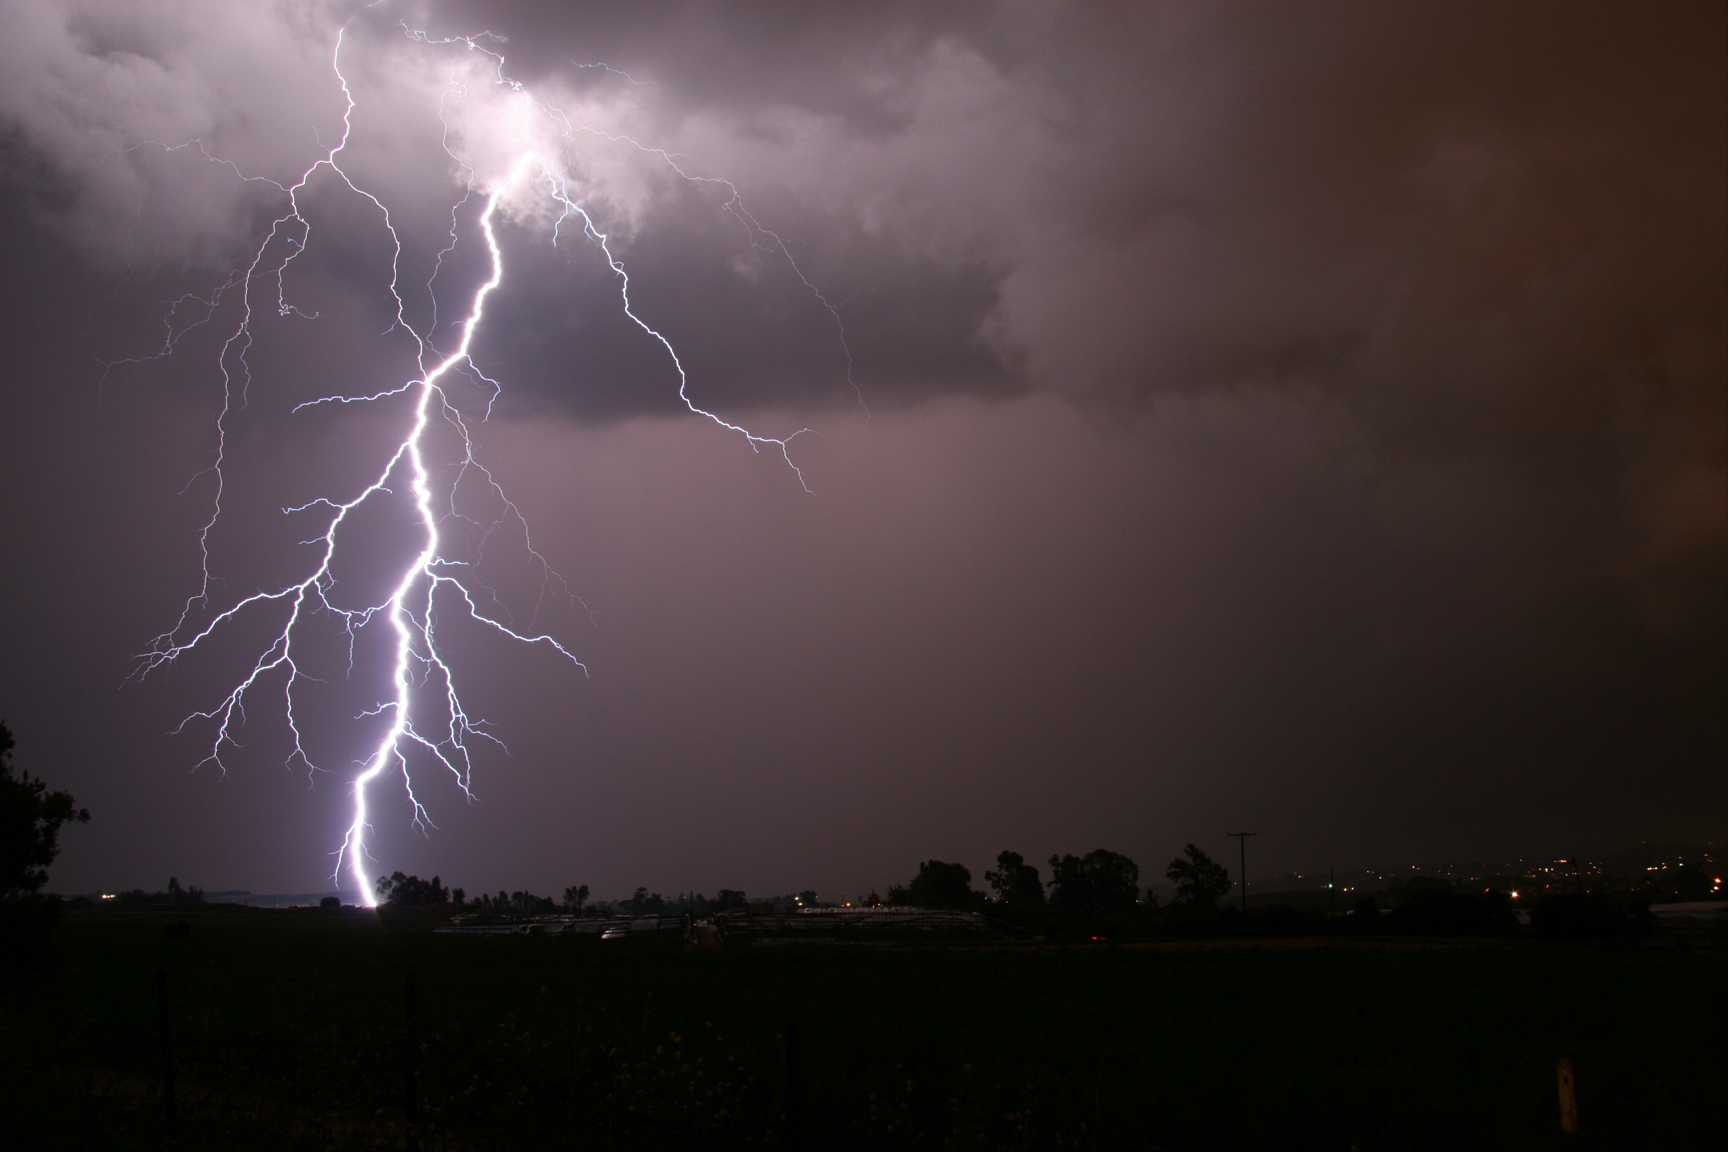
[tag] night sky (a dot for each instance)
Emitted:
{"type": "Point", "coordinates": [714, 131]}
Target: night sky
{"type": "Point", "coordinates": [1302, 419]}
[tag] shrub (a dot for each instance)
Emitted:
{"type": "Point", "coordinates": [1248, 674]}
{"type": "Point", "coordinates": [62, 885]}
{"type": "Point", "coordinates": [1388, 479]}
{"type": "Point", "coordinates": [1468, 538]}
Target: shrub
{"type": "Point", "coordinates": [1439, 912]}
{"type": "Point", "coordinates": [1589, 916]}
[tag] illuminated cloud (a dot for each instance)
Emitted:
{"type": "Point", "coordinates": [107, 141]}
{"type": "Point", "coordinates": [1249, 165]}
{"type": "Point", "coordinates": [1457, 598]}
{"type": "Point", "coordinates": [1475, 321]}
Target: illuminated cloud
{"type": "Point", "coordinates": [1421, 312]}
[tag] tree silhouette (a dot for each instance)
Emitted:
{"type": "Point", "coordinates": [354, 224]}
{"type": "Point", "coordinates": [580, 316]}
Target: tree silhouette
{"type": "Point", "coordinates": [574, 898]}
{"type": "Point", "coordinates": [30, 822]}
{"type": "Point", "coordinates": [410, 891]}
{"type": "Point", "coordinates": [941, 885]}
{"type": "Point", "coordinates": [1200, 881]}
{"type": "Point", "coordinates": [1015, 881]}
{"type": "Point", "coordinates": [1107, 879]}
{"type": "Point", "coordinates": [179, 895]}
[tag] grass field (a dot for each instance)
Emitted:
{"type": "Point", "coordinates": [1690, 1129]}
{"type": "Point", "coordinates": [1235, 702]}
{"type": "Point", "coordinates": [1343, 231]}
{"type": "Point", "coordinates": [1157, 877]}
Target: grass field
{"type": "Point", "coordinates": [289, 1032]}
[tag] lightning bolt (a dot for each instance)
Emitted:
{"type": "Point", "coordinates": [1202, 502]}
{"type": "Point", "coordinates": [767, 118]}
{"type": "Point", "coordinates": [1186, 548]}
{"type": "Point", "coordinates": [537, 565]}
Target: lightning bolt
{"type": "Point", "coordinates": [426, 717]}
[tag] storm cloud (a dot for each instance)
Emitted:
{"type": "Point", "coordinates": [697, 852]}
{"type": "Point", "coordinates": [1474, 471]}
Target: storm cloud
{"type": "Point", "coordinates": [1307, 415]}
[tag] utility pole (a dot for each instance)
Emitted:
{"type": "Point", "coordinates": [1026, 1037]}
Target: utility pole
{"type": "Point", "coordinates": [1242, 839]}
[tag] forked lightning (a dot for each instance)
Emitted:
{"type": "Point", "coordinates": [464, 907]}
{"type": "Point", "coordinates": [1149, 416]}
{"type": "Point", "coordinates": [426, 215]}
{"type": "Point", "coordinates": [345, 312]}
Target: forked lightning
{"type": "Point", "coordinates": [425, 711]}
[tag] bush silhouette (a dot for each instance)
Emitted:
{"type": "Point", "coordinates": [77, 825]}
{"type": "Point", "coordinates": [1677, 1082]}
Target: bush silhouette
{"type": "Point", "coordinates": [30, 822]}
{"type": "Point", "coordinates": [1441, 912]}
{"type": "Point", "coordinates": [1589, 916]}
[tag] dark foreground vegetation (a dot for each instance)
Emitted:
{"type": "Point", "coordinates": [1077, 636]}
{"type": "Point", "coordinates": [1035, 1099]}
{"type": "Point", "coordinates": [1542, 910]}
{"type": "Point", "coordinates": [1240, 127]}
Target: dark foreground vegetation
{"type": "Point", "coordinates": [290, 1029]}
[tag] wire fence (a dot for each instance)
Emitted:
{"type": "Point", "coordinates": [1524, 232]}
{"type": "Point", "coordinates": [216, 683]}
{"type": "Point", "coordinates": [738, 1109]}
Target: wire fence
{"type": "Point", "coordinates": [416, 1086]}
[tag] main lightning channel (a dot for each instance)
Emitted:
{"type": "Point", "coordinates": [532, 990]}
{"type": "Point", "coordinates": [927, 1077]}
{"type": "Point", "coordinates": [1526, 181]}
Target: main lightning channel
{"type": "Point", "coordinates": [423, 572]}
{"type": "Point", "coordinates": [411, 608]}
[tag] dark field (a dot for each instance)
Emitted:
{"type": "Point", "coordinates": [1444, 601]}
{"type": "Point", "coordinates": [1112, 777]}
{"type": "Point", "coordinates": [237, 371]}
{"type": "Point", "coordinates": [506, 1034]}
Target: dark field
{"type": "Point", "coordinates": [288, 1032]}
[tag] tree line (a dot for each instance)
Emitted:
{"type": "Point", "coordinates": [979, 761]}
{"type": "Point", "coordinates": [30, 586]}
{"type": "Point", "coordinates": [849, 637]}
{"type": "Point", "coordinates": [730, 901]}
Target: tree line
{"type": "Point", "coordinates": [1101, 879]}
{"type": "Point", "coordinates": [174, 893]}
{"type": "Point", "coordinates": [407, 891]}
{"type": "Point", "coordinates": [1101, 883]}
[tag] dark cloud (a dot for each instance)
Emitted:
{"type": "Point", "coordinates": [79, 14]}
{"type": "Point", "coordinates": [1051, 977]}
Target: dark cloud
{"type": "Point", "coordinates": [1311, 416]}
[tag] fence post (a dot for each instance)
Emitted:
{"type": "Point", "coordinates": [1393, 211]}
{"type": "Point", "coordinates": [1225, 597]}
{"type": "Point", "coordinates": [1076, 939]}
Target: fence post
{"type": "Point", "coordinates": [167, 1046]}
{"type": "Point", "coordinates": [411, 1100]}
{"type": "Point", "coordinates": [1568, 1098]}
{"type": "Point", "coordinates": [794, 1093]}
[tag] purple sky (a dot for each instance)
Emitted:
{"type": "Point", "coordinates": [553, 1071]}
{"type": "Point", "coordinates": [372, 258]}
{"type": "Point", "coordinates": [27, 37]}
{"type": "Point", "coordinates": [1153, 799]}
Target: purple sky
{"type": "Point", "coordinates": [1310, 420]}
